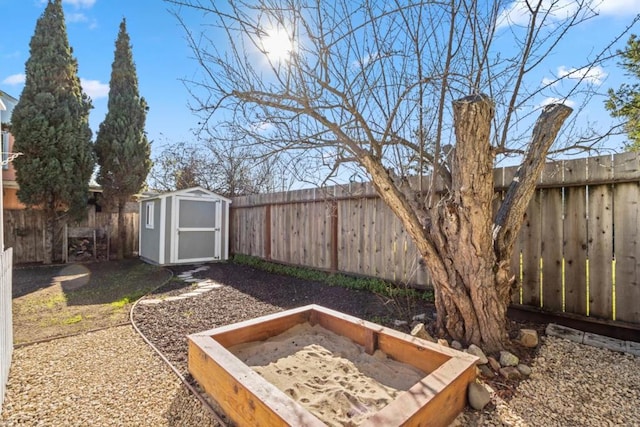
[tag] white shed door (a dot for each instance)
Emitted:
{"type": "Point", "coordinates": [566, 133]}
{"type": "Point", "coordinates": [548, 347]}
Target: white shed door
{"type": "Point", "coordinates": [198, 237]}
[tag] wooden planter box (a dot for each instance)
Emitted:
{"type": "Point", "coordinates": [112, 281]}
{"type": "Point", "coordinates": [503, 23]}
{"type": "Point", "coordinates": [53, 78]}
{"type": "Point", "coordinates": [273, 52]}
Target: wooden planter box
{"type": "Point", "coordinates": [249, 399]}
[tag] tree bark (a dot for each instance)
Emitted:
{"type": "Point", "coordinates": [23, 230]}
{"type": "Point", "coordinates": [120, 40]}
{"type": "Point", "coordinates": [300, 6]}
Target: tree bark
{"type": "Point", "coordinates": [50, 221]}
{"type": "Point", "coordinates": [510, 215]}
{"type": "Point", "coordinates": [122, 229]}
{"type": "Point", "coordinates": [470, 308]}
{"type": "Point", "coordinates": [48, 242]}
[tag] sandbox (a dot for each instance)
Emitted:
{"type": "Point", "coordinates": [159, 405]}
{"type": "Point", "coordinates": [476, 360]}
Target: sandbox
{"type": "Point", "coordinates": [250, 399]}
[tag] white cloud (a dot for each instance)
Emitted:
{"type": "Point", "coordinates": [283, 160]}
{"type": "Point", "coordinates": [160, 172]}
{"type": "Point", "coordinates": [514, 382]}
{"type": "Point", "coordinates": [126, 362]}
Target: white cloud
{"type": "Point", "coordinates": [77, 17]}
{"type": "Point", "coordinates": [619, 7]}
{"type": "Point", "coordinates": [594, 75]}
{"type": "Point", "coordinates": [94, 88]}
{"type": "Point", "coordinates": [518, 13]}
{"type": "Point", "coordinates": [14, 79]}
{"type": "Point", "coordinates": [80, 4]}
{"type": "Point", "coordinates": [552, 100]}
{"type": "Point", "coordinates": [549, 81]}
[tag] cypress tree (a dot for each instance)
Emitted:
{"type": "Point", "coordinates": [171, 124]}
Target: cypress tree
{"type": "Point", "coordinates": [625, 101]}
{"type": "Point", "coordinates": [121, 145]}
{"type": "Point", "coordinates": [50, 124]}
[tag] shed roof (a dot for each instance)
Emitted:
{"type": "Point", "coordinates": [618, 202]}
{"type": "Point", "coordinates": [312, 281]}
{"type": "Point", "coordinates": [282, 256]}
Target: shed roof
{"type": "Point", "coordinates": [193, 191]}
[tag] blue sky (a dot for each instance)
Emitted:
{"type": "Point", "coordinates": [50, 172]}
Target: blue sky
{"type": "Point", "coordinates": [163, 58]}
{"type": "Point", "coordinates": [159, 50]}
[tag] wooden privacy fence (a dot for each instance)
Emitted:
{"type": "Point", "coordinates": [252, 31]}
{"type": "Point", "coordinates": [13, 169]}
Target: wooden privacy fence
{"type": "Point", "coordinates": [578, 250]}
{"type": "Point", "coordinates": [25, 232]}
{"type": "Point", "coordinates": [6, 320]}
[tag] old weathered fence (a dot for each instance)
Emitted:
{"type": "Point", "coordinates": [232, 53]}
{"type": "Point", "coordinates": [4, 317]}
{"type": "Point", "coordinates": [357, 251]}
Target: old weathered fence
{"type": "Point", "coordinates": [6, 320]}
{"type": "Point", "coordinates": [25, 232]}
{"type": "Point", "coordinates": [578, 250]}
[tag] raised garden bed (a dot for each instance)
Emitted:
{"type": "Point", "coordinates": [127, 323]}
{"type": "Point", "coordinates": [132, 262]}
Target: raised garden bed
{"type": "Point", "coordinates": [249, 399]}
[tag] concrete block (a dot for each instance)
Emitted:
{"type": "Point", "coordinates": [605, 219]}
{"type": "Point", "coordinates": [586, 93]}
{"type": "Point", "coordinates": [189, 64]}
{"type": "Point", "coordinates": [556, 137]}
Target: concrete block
{"type": "Point", "coordinates": [565, 332]}
{"type": "Point", "coordinates": [632, 347]}
{"type": "Point", "coordinates": [601, 341]}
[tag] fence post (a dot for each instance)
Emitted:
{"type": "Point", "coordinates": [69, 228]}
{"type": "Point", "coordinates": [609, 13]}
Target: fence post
{"type": "Point", "coordinates": [6, 321]}
{"type": "Point", "coordinates": [334, 236]}
{"type": "Point", "coordinates": [267, 232]}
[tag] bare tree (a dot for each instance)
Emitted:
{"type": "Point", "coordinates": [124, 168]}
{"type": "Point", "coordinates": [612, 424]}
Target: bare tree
{"type": "Point", "coordinates": [178, 166]}
{"type": "Point", "coordinates": [221, 166]}
{"type": "Point", "coordinates": [423, 96]}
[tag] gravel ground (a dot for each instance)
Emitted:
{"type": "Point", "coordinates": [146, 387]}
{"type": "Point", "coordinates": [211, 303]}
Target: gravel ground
{"type": "Point", "coordinates": [112, 377]}
{"type": "Point", "coordinates": [105, 378]}
{"type": "Point", "coordinates": [571, 385]}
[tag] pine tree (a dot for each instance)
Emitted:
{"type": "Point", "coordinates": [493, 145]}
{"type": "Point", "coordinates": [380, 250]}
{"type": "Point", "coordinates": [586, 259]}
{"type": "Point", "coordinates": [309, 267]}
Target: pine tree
{"type": "Point", "coordinates": [50, 124]}
{"type": "Point", "coordinates": [121, 145]}
{"type": "Point", "coordinates": [625, 102]}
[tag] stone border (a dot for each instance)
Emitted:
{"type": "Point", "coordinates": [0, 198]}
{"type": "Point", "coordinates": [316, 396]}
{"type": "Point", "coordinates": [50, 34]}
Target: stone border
{"type": "Point", "coordinates": [594, 340]}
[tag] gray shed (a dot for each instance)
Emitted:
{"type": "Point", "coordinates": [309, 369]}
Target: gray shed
{"type": "Point", "coordinates": [184, 227]}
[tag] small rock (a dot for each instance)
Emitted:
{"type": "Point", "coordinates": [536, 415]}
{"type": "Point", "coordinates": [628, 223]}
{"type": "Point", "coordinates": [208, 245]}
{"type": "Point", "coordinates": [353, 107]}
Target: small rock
{"type": "Point", "coordinates": [421, 332]}
{"type": "Point", "coordinates": [456, 345]}
{"type": "Point", "coordinates": [486, 371]}
{"type": "Point", "coordinates": [524, 369]}
{"type": "Point", "coordinates": [478, 396]}
{"type": "Point", "coordinates": [443, 342]}
{"type": "Point", "coordinates": [510, 372]}
{"type": "Point", "coordinates": [508, 359]}
{"type": "Point", "coordinates": [397, 323]}
{"type": "Point", "coordinates": [477, 351]}
{"type": "Point", "coordinates": [420, 317]}
{"type": "Point", "coordinates": [528, 338]}
{"type": "Point", "coordinates": [495, 365]}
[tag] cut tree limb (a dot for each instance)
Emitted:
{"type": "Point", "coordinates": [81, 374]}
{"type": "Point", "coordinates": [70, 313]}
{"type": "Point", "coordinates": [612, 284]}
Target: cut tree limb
{"type": "Point", "coordinates": [508, 220]}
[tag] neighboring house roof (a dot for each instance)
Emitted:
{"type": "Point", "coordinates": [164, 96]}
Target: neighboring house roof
{"type": "Point", "coordinates": [193, 191]}
{"type": "Point", "coordinates": [8, 102]}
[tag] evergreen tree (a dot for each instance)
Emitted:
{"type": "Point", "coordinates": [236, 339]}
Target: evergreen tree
{"type": "Point", "coordinates": [625, 102]}
{"type": "Point", "coordinates": [121, 145]}
{"type": "Point", "coordinates": [50, 124]}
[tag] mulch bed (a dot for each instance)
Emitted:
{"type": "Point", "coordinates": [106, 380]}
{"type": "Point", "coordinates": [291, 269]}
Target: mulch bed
{"type": "Point", "coordinates": [249, 293]}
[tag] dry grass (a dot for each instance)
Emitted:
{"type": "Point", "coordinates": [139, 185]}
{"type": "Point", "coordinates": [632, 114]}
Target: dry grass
{"type": "Point", "coordinates": [55, 301]}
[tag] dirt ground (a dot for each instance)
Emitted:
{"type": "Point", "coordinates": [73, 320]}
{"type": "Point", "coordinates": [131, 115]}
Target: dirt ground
{"type": "Point", "coordinates": [249, 293]}
{"type": "Point", "coordinates": [59, 300]}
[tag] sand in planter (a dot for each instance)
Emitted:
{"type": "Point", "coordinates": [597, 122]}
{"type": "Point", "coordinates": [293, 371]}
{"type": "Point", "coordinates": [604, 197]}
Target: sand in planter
{"type": "Point", "coordinates": [329, 375]}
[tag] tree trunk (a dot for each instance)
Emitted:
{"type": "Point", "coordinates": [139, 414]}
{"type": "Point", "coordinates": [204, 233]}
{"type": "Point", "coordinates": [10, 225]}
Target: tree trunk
{"type": "Point", "coordinates": [470, 299]}
{"type": "Point", "coordinates": [122, 230]}
{"type": "Point", "coordinates": [49, 237]}
{"type": "Point", "coordinates": [468, 256]}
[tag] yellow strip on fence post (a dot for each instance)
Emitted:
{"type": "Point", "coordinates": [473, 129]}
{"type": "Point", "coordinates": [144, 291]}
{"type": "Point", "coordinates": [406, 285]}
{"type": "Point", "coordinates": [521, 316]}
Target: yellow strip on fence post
{"type": "Point", "coordinates": [613, 288]}
{"type": "Point", "coordinates": [587, 285]}
{"type": "Point", "coordinates": [541, 284]}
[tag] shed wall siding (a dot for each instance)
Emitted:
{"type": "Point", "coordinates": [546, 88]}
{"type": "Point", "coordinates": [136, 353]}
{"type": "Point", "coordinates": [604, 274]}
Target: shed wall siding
{"type": "Point", "coordinates": [150, 237]}
{"type": "Point", "coordinates": [168, 234]}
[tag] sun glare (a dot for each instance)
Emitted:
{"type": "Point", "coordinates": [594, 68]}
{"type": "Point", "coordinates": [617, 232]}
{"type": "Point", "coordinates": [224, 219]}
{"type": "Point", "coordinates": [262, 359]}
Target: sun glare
{"type": "Point", "coordinates": [277, 45]}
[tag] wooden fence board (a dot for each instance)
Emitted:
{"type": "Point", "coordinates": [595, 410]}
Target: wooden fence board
{"type": "Point", "coordinates": [627, 252]}
{"type": "Point", "coordinates": [531, 253]}
{"type": "Point", "coordinates": [600, 250]}
{"type": "Point", "coordinates": [600, 232]}
{"type": "Point", "coordinates": [551, 249]}
{"type": "Point", "coordinates": [575, 247]}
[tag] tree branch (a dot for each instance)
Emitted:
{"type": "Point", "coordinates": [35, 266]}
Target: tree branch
{"type": "Point", "coordinates": [509, 217]}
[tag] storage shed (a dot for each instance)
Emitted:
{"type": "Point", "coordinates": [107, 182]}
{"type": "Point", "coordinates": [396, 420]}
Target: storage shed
{"type": "Point", "coordinates": [184, 227]}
